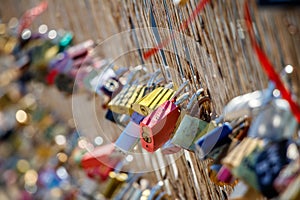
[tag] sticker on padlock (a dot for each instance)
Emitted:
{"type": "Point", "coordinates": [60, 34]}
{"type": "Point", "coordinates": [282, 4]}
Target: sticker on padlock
{"type": "Point", "coordinates": [157, 128]}
{"type": "Point", "coordinates": [216, 138]}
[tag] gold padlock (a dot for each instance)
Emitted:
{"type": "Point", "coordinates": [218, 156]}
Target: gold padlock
{"type": "Point", "coordinates": [130, 93]}
{"type": "Point", "coordinates": [151, 101]}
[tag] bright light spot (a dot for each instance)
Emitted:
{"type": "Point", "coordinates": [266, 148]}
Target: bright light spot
{"type": "Point", "coordinates": [160, 183]}
{"type": "Point", "coordinates": [262, 129]}
{"type": "Point", "coordinates": [52, 34]}
{"type": "Point", "coordinates": [98, 140]}
{"type": "Point", "coordinates": [136, 147]}
{"type": "Point", "coordinates": [60, 139]}
{"type": "Point", "coordinates": [82, 143]}
{"type": "Point", "coordinates": [292, 152]}
{"type": "Point", "coordinates": [129, 158]}
{"type": "Point", "coordinates": [21, 116]}
{"type": "Point", "coordinates": [23, 166]}
{"type": "Point", "coordinates": [276, 93]}
{"type": "Point", "coordinates": [289, 69]}
{"type": "Point", "coordinates": [31, 177]}
{"type": "Point", "coordinates": [62, 173]}
{"type": "Point", "coordinates": [26, 34]}
{"type": "Point", "coordinates": [62, 157]}
{"type": "Point", "coordinates": [276, 121]}
{"type": "Point", "coordinates": [43, 29]}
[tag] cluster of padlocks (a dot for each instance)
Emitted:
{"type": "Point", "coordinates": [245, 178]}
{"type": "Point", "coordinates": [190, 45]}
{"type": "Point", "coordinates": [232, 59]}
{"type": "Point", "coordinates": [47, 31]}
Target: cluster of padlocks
{"type": "Point", "coordinates": [253, 143]}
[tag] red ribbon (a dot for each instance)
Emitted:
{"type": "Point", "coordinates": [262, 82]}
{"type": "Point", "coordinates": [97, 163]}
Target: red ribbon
{"type": "Point", "coordinates": [268, 67]}
{"type": "Point", "coordinates": [183, 26]}
{"type": "Point", "coordinates": [29, 16]}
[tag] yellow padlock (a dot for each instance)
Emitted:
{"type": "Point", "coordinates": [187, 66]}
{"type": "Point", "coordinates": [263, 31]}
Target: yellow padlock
{"type": "Point", "coordinates": [122, 102]}
{"type": "Point", "coordinates": [151, 101]}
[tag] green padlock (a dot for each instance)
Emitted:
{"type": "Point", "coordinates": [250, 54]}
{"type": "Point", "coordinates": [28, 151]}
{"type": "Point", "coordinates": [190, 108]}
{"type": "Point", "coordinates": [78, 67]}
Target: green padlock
{"type": "Point", "coordinates": [191, 127]}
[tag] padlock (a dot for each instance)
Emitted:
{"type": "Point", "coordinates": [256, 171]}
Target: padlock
{"type": "Point", "coordinates": [151, 85]}
{"type": "Point", "coordinates": [268, 163]}
{"type": "Point", "coordinates": [275, 122]}
{"type": "Point", "coordinates": [247, 104]}
{"type": "Point", "coordinates": [122, 102]}
{"type": "Point", "coordinates": [129, 137]}
{"type": "Point", "coordinates": [157, 128]}
{"type": "Point", "coordinates": [189, 126]}
{"type": "Point", "coordinates": [102, 158]}
{"type": "Point", "coordinates": [112, 86]}
{"type": "Point", "coordinates": [150, 102]}
{"type": "Point", "coordinates": [243, 149]}
{"type": "Point", "coordinates": [216, 138]}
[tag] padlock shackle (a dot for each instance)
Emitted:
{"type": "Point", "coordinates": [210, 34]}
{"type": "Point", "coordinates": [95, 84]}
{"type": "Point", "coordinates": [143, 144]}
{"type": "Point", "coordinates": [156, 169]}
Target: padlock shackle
{"type": "Point", "coordinates": [180, 89]}
{"type": "Point", "coordinates": [194, 97]}
{"type": "Point", "coordinates": [182, 98]}
{"type": "Point", "coordinates": [169, 85]}
{"type": "Point", "coordinates": [133, 72]}
{"type": "Point", "coordinates": [153, 77]}
{"type": "Point", "coordinates": [200, 103]}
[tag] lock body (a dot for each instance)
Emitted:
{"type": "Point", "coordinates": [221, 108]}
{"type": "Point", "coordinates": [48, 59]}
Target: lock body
{"type": "Point", "coordinates": [151, 101]}
{"type": "Point", "coordinates": [122, 102]}
{"type": "Point", "coordinates": [187, 131]}
{"type": "Point", "coordinates": [157, 128]}
{"type": "Point", "coordinates": [99, 162]}
{"type": "Point", "coordinates": [170, 148]}
{"type": "Point", "coordinates": [129, 138]}
{"type": "Point", "coordinates": [137, 118]}
{"type": "Point", "coordinates": [112, 85]}
{"type": "Point", "coordinates": [213, 139]}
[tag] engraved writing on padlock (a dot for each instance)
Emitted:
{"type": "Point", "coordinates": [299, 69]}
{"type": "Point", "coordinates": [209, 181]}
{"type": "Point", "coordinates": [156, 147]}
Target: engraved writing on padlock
{"type": "Point", "coordinates": [148, 103]}
{"type": "Point", "coordinates": [157, 128]}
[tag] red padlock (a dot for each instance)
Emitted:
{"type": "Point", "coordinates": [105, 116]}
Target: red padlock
{"type": "Point", "coordinates": [100, 161]}
{"type": "Point", "coordinates": [157, 128]}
